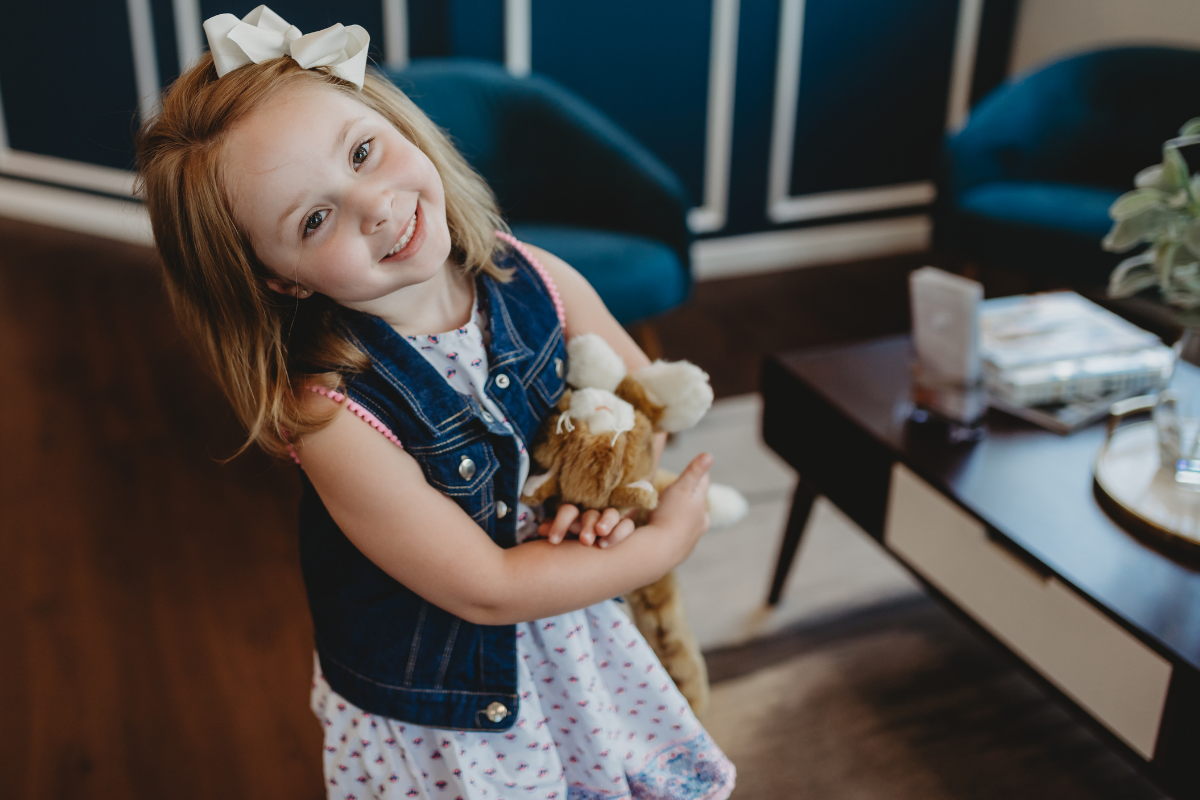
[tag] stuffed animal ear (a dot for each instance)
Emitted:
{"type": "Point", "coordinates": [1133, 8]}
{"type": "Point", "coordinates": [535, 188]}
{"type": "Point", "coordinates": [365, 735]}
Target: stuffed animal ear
{"type": "Point", "coordinates": [593, 364]}
{"type": "Point", "coordinates": [681, 388]}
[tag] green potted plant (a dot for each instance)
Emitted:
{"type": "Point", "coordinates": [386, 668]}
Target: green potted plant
{"type": "Point", "coordinates": [1164, 211]}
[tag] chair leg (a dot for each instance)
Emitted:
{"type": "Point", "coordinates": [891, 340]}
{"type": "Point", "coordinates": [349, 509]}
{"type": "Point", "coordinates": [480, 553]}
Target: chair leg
{"type": "Point", "coordinates": [802, 503]}
{"type": "Point", "coordinates": [646, 336]}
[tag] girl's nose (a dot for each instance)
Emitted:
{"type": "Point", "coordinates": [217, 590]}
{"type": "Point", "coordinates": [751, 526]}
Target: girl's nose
{"type": "Point", "coordinates": [377, 207]}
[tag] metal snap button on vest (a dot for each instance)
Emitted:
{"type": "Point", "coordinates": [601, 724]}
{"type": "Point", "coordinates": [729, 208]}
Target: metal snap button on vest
{"type": "Point", "coordinates": [487, 417]}
{"type": "Point", "coordinates": [502, 381]}
{"type": "Point", "coordinates": [466, 468]}
{"type": "Point", "coordinates": [496, 712]}
{"type": "Point", "coordinates": [558, 367]}
{"type": "Point", "coordinates": [501, 509]}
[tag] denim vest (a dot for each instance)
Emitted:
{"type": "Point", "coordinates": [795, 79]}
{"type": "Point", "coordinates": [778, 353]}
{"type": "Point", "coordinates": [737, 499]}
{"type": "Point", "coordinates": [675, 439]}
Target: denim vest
{"type": "Point", "coordinates": [381, 646]}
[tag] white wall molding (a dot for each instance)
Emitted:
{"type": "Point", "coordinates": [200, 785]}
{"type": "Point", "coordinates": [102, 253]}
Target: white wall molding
{"type": "Point", "coordinates": [718, 134]}
{"type": "Point", "coordinates": [787, 98]}
{"type": "Point", "coordinates": [69, 173]}
{"type": "Point", "coordinates": [77, 211]}
{"type": "Point", "coordinates": [772, 251]}
{"type": "Point", "coordinates": [962, 73]}
{"type": "Point", "coordinates": [3, 129]}
{"type": "Point", "coordinates": [820, 205]}
{"type": "Point", "coordinates": [189, 39]}
{"type": "Point", "coordinates": [395, 33]}
{"type": "Point", "coordinates": [518, 37]}
{"type": "Point", "coordinates": [145, 56]}
{"type": "Point", "coordinates": [782, 206]}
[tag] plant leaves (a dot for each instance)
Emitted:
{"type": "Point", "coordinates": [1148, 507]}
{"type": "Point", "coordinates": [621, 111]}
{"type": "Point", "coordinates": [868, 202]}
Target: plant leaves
{"type": "Point", "coordinates": [1182, 299]}
{"type": "Point", "coordinates": [1132, 284]}
{"type": "Point", "coordinates": [1132, 275]}
{"type": "Point", "coordinates": [1149, 178]}
{"type": "Point", "coordinates": [1191, 236]}
{"type": "Point", "coordinates": [1134, 230]}
{"type": "Point", "coordinates": [1191, 127]}
{"type": "Point", "coordinates": [1133, 203]}
{"type": "Point", "coordinates": [1178, 200]}
{"type": "Point", "coordinates": [1164, 259]}
{"type": "Point", "coordinates": [1175, 170]}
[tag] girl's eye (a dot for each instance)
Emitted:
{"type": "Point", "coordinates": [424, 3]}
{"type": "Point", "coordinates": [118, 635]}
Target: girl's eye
{"type": "Point", "coordinates": [361, 152]}
{"type": "Point", "coordinates": [314, 221]}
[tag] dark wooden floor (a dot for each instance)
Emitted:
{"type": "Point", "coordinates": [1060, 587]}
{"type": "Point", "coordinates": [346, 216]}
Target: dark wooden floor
{"type": "Point", "coordinates": [154, 635]}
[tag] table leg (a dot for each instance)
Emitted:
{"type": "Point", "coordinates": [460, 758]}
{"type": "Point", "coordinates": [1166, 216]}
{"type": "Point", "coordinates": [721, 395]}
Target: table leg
{"type": "Point", "coordinates": [802, 503]}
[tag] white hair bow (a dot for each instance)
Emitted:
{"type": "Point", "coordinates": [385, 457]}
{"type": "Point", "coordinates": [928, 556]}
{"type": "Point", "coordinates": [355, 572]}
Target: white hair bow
{"type": "Point", "coordinates": [262, 35]}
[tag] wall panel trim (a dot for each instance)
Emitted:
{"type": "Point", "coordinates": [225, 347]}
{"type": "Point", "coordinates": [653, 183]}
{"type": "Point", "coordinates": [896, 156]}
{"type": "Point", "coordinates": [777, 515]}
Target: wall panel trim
{"type": "Point", "coordinates": [718, 135]}
{"type": "Point", "coordinates": [117, 182]}
{"type": "Point", "coordinates": [782, 206]}
{"type": "Point", "coordinates": [853, 201]}
{"type": "Point", "coordinates": [395, 33]}
{"type": "Point", "coordinates": [76, 211]}
{"type": "Point", "coordinates": [966, 44]}
{"type": "Point", "coordinates": [3, 130]}
{"type": "Point", "coordinates": [145, 57]}
{"type": "Point", "coordinates": [518, 37]}
{"type": "Point", "coordinates": [189, 41]}
{"type": "Point", "coordinates": [773, 251]}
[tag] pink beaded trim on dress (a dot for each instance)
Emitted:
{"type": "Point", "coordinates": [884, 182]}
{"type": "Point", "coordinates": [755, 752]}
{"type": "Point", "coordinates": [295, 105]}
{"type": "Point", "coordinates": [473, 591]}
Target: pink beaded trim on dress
{"type": "Point", "coordinates": [359, 411]}
{"type": "Point", "coordinates": [546, 279]}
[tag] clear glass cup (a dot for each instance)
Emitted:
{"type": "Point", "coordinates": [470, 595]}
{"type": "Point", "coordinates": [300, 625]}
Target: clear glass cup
{"type": "Point", "coordinates": [1177, 418]}
{"type": "Point", "coordinates": [1177, 414]}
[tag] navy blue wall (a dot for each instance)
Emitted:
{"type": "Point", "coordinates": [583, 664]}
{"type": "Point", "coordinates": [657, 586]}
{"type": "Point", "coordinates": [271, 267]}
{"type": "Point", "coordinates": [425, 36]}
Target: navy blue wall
{"type": "Point", "coordinates": [871, 109]}
{"type": "Point", "coordinates": [59, 101]}
{"type": "Point", "coordinates": [872, 114]}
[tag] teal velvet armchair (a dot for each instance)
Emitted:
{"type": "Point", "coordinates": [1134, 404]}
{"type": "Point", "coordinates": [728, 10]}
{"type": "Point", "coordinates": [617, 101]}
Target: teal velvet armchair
{"type": "Point", "coordinates": [1028, 182]}
{"type": "Point", "coordinates": [567, 178]}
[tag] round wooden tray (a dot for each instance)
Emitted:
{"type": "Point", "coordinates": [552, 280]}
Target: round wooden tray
{"type": "Point", "coordinates": [1142, 496]}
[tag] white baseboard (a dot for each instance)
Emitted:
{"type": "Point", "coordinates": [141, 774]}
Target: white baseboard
{"type": "Point", "coordinates": [771, 251]}
{"type": "Point", "coordinates": [76, 211]}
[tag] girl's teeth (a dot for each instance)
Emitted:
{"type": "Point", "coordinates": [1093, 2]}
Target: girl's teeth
{"type": "Point", "coordinates": [412, 224]}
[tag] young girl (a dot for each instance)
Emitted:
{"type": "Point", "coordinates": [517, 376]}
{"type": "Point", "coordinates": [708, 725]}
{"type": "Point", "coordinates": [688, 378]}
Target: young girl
{"type": "Point", "coordinates": [348, 279]}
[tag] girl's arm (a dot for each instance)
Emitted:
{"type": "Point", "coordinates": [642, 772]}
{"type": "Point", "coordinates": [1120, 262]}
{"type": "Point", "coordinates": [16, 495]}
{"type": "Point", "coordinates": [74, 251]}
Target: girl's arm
{"type": "Point", "coordinates": [378, 496]}
{"type": "Point", "coordinates": [586, 313]}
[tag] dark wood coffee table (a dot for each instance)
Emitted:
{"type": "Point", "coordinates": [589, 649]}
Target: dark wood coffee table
{"type": "Point", "coordinates": [1007, 532]}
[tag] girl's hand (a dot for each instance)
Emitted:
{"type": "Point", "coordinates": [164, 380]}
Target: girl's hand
{"type": "Point", "coordinates": [592, 527]}
{"type": "Point", "coordinates": [683, 506]}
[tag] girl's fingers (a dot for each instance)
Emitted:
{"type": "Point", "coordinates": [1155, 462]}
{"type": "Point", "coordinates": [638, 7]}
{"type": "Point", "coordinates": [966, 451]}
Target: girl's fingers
{"type": "Point", "coordinates": [562, 522]}
{"type": "Point", "coordinates": [587, 530]}
{"type": "Point", "coordinates": [608, 521]}
{"type": "Point", "coordinates": [619, 533]}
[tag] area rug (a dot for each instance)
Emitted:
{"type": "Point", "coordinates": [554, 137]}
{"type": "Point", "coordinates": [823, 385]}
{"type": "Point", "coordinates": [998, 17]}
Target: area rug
{"type": "Point", "coordinates": [895, 702]}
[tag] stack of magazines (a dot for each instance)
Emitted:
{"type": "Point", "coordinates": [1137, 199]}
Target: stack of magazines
{"type": "Point", "coordinates": [1060, 361]}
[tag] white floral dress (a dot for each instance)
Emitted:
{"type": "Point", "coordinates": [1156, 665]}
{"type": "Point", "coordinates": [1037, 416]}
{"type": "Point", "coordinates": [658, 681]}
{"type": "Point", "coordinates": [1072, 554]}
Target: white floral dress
{"type": "Point", "coordinates": [598, 719]}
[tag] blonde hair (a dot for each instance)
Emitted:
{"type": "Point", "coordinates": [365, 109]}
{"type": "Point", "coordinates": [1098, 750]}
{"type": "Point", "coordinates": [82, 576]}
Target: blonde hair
{"type": "Point", "coordinates": [259, 345]}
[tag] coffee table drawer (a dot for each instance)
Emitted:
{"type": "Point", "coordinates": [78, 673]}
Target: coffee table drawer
{"type": "Point", "coordinates": [1106, 670]}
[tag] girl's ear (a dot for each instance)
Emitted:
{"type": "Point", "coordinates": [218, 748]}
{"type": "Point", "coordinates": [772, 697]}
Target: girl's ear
{"type": "Point", "coordinates": [289, 288]}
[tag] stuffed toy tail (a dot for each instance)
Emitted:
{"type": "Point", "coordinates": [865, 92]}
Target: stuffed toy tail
{"type": "Point", "coordinates": [658, 608]}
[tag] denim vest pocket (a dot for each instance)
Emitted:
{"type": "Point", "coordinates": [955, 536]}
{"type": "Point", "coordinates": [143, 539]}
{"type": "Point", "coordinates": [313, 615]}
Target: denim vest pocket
{"type": "Point", "coordinates": [460, 466]}
{"type": "Point", "coordinates": [546, 376]}
{"type": "Point", "coordinates": [548, 387]}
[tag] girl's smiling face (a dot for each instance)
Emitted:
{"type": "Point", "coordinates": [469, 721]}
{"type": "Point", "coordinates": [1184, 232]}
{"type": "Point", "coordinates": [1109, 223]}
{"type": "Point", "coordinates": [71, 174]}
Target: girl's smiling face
{"type": "Point", "coordinates": [334, 198]}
